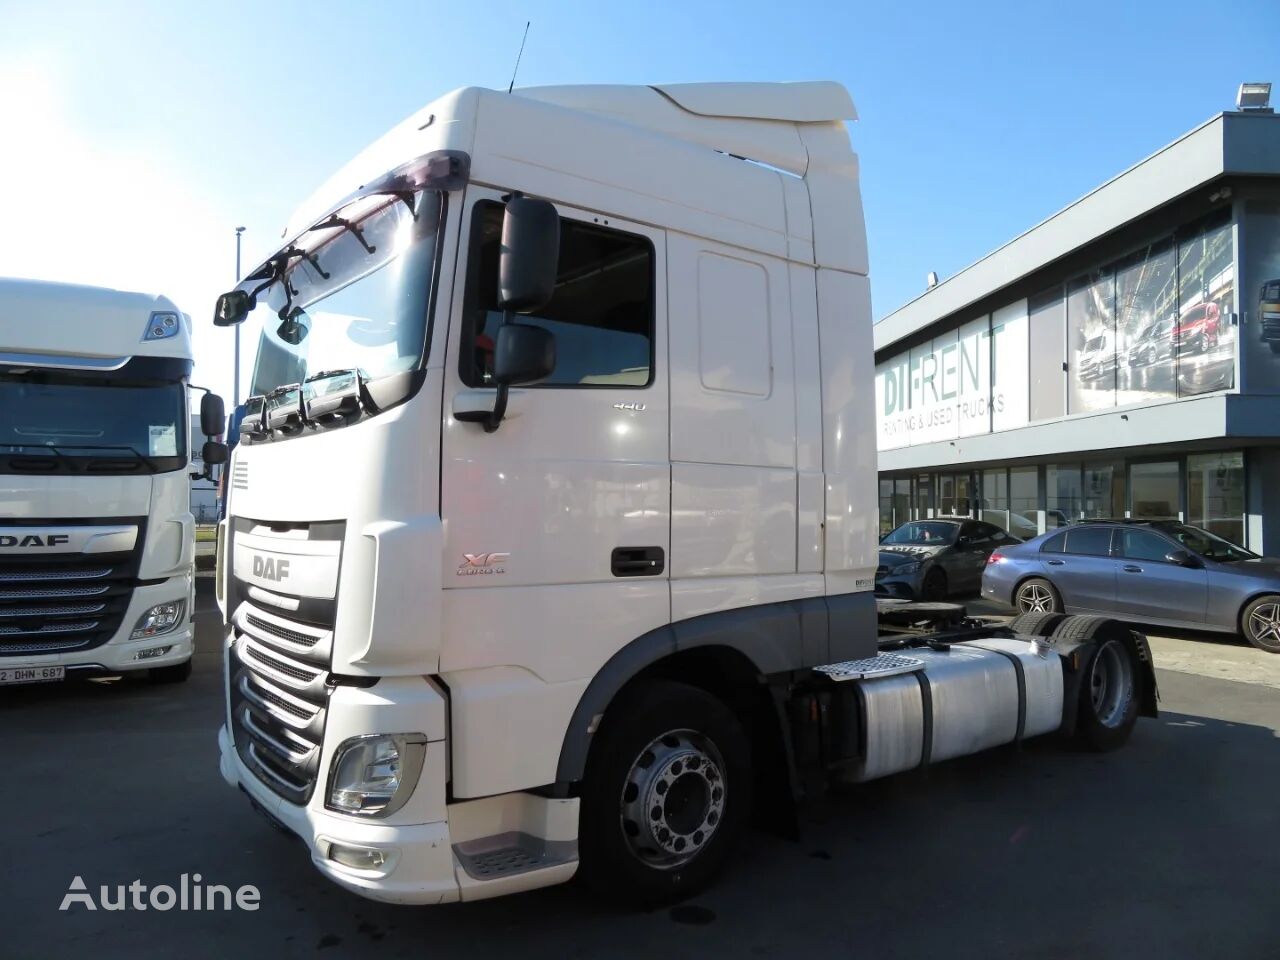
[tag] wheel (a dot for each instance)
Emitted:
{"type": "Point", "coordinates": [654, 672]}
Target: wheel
{"type": "Point", "coordinates": [1260, 623]}
{"type": "Point", "coordinates": [1037, 595]}
{"type": "Point", "coordinates": [1108, 697]}
{"type": "Point", "coordinates": [934, 586]}
{"type": "Point", "coordinates": [666, 796]}
{"type": "Point", "coordinates": [177, 673]}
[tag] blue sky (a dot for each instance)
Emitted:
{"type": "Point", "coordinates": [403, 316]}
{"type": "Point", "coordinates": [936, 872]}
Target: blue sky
{"type": "Point", "coordinates": [138, 135]}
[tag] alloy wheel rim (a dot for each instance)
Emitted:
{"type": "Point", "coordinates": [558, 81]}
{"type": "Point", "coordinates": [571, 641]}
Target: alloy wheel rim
{"type": "Point", "coordinates": [1264, 623]}
{"type": "Point", "coordinates": [1034, 598]}
{"type": "Point", "coordinates": [673, 799]}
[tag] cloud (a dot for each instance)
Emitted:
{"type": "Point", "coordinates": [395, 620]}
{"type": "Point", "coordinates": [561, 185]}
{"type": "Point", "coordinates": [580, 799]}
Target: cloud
{"type": "Point", "coordinates": [79, 208]}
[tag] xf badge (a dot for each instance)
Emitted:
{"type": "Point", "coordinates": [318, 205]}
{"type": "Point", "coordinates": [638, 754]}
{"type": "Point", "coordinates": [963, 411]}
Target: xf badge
{"type": "Point", "coordinates": [480, 564]}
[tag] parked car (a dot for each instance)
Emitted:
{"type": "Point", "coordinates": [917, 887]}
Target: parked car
{"type": "Point", "coordinates": [933, 559]}
{"type": "Point", "coordinates": [1198, 329]}
{"type": "Point", "coordinates": [1269, 312]}
{"type": "Point", "coordinates": [1157, 572]}
{"type": "Point", "coordinates": [1153, 344]}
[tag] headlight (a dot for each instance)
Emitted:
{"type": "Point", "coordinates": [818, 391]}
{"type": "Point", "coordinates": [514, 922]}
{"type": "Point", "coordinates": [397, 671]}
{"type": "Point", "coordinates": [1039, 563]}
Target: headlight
{"type": "Point", "coordinates": [161, 618]}
{"type": "Point", "coordinates": [903, 569]}
{"type": "Point", "coordinates": [374, 776]}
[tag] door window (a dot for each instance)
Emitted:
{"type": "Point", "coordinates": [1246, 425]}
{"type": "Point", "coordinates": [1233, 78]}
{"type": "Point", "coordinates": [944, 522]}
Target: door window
{"type": "Point", "coordinates": [601, 312]}
{"type": "Point", "coordinates": [1090, 541]}
{"type": "Point", "coordinates": [1144, 545]}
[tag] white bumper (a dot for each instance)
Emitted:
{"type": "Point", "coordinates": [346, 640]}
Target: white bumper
{"type": "Point", "coordinates": [120, 654]}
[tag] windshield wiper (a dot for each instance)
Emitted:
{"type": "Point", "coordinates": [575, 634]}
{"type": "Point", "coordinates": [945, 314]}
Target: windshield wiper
{"type": "Point", "coordinates": [151, 463]}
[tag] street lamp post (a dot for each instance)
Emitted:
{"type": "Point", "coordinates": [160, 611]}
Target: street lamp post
{"type": "Point", "coordinates": [235, 390]}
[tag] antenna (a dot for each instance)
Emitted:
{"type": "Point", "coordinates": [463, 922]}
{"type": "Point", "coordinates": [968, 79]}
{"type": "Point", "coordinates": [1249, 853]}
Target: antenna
{"type": "Point", "coordinates": [512, 84]}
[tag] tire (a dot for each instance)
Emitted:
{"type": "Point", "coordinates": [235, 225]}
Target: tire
{"type": "Point", "coordinates": [639, 765]}
{"type": "Point", "coordinates": [177, 673]}
{"type": "Point", "coordinates": [1037, 595]}
{"type": "Point", "coordinates": [1260, 622]}
{"type": "Point", "coordinates": [935, 586]}
{"type": "Point", "coordinates": [1034, 624]}
{"type": "Point", "coordinates": [1109, 693]}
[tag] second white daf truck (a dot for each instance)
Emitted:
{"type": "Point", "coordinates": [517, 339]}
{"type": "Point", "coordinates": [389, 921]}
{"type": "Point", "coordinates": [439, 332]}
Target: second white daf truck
{"type": "Point", "coordinates": [551, 535]}
{"type": "Point", "coordinates": [96, 531]}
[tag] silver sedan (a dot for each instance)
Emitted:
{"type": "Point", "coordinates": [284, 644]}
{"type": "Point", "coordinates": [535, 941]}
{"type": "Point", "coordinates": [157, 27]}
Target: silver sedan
{"type": "Point", "coordinates": [1158, 572]}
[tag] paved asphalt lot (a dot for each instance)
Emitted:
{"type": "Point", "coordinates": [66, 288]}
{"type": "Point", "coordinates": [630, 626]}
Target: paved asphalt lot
{"type": "Point", "coordinates": [1168, 848]}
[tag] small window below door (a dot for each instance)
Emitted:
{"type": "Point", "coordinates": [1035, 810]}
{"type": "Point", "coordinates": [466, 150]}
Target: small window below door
{"type": "Point", "coordinates": [602, 312]}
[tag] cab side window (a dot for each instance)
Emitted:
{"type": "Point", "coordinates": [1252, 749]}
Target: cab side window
{"type": "Point", "coordinates": [601, 313]}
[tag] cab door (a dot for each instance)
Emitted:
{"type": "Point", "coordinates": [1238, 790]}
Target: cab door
{"type": "Point", "coordinates": [556, 524]}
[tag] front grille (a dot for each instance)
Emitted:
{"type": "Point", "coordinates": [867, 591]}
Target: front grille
{"type": "Point", "coordinates": [278, 674]}
{"type": "Point", "coordinates": [240, 476]}
{"type": "Point", "coordinates": [1271, 328]}
{"type": "Point", "coordinates": [64, 602]}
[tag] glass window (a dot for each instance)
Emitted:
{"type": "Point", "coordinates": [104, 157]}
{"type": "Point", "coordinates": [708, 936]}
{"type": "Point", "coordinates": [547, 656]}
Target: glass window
{"type": "Point", "coordinates": [1103, 491]}
{"type": "Point", "coordinates": [1056, 544]}
{"type": "Point", "coordinates": [886, 506]}
{"type": "Point", "coordinates": [995, 497]}
{"type": "Point", "coordinates": [1205, 543]}
{"type": "Point", "coordinates": [1143, 545]}
{"type": "Point", "coordinates": [1090, 541]}
{"type": "Point", "coordinates": [1154, 489]}
{"type": "Point", "coordinates": [601, 312]}
{"type": "Point", "coordinates": [920, 532]}
{"type": "Point", "coordinates": [1203, 335]}
{"type": "Point", "coordinates": [1047, 340]}
{"type": "Point", "coordinates": [1146, 310]}
{"type": "Point", "coordinates": [901, 500]}
{"type": "Point", "coordinates": [1062, 494]}
{"type": "Point", "coordinates": [923, 504]}
{"type": "Point", "coordinates": [1215, 493]}
{"type": "Point", "coordinates": [1024, 501]}
{"type": "Point", "coordinates": [1091, 341]}
{"type": "Point", "coordinates": [953, 495]}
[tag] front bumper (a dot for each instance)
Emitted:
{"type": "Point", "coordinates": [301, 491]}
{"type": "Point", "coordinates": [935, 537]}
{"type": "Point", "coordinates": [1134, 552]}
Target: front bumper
{"type": "Point", "coordinates": [906, 587]}
{"type": "Point", "coordinates": [120, 654]}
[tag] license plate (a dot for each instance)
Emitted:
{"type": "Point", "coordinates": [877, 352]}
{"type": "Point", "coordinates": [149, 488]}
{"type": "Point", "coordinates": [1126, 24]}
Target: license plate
{"type": "Point", "coordinates": [32, 674]}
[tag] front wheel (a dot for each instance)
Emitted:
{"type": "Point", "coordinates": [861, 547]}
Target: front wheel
{"type": "Point", "coordinates": [666, 796]}
{"type": "Point", "coordinates": [935, 586]}
{"type": "Point", "coordinates": [1261, 623]}
{"type": "Point", "coordinates": [1037, 595]}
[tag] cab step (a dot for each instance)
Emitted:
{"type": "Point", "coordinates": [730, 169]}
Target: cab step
{"type": "Point", "coordinates": [508, 854]}
{"type": "Point", "coordinates": [868, 668]}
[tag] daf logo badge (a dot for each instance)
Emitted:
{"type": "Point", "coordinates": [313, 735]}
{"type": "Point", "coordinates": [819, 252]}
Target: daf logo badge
{"type": "Point", "coordinates": [479, 564]}
{"type": "Point", "coordinates": [269, 568]}
{"type": "Point", "coordinates": [34, 540]}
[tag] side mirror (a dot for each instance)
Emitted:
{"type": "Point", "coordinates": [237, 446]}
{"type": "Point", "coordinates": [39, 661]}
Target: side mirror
{"type": "Point", "coordinates": [213, 416]}
{"type": "Point", "coordinates": [213, 453]}
{"type": "Point", "coordinates": [523, 353]}
{"type": "Point", "coordinates": [1184, 558]}
{"type": "Point", "coordinates": [528, 256]}
{"type": "Point", "coordinates": [232, 308]}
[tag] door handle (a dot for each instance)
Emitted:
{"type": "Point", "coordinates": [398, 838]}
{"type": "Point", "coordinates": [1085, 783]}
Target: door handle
{"type": "Point", "coordinates": [1131, 568]}
{"type": "Point", "coordinates": [637, 561]}
{"type": "Point", "coordinates": [1055, 563]}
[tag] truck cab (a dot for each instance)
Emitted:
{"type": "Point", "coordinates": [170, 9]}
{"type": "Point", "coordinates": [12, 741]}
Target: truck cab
{"type": "Point", "coordinates": [96, 532]}
{"type": "Point", "coordinates": [556, 484]}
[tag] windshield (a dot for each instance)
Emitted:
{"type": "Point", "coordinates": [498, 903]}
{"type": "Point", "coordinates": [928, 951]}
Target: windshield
{"type": "Point", "coordinates": [140, 425]}
{"type": "Point", "coordinates": [1094, 344]}
{"type": "Point", "coordinates": [1205, 544]}
{"type": "Point", "coordinates": [358, 298]}
{"type": "Point", "coordinates": [1271, 291]}
{"type": "Point", "coordinates": [924, 533]}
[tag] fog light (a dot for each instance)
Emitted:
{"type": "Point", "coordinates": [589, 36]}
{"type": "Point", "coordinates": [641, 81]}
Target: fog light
{"type": "Point", "coordinates": [358, 858]}
{"type": "Point", "coordinates": [374, 776]}
{"type": "Point", "coordinates": [161, 618]}
{"type": "Point", "coordinates": [151, 653]}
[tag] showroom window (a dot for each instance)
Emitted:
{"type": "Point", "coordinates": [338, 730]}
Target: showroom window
{"type": "Point", "coordinates": [995, 497]}
{"type": "Point", "coordinates": [1203, 335]}
{"type": "Point", "coordinates": [1062, 494]}
{"type": "Point", "coordinates": [1154, 490]}
{"type": "Point", "coordinates": [1047, 346]}
{"type": "Point", "coordinates": [1091, 342]}
{"type": "Point", "coordinates": [1102, 494]}
{"type": "Point", "coordinates": [1215, 494]}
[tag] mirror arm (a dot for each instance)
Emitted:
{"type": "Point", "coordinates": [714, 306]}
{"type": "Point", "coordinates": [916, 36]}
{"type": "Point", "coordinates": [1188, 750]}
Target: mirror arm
{"type": "Point", "coordinates": [500, 398]}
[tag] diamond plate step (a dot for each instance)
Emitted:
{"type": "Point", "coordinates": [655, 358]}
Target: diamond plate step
{"type": "Point", "coordinates": [506, 854]}
{"type": "Point", "coordinates": [884, 665]}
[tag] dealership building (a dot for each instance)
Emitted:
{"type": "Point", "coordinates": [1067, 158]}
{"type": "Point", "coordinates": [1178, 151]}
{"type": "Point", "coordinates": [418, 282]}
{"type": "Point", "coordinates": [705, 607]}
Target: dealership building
{"type": "Point", "coordinates": [1120, 359]}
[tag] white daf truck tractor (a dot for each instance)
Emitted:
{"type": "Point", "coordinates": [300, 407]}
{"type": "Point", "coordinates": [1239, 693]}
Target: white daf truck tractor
{"type": "Point", "coordinates": [96, 531]}
{"type": "Point", "coordinates": [551, 533]}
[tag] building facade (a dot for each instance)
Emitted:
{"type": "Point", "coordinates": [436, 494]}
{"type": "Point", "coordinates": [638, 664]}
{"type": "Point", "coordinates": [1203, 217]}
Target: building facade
{"type": "Point", "coordinates": [1120, 359]}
